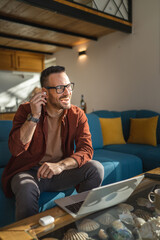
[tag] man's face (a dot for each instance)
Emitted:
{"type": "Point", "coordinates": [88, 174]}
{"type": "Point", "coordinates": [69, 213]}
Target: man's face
{"type": "Point", "coordinates": [62, 100]}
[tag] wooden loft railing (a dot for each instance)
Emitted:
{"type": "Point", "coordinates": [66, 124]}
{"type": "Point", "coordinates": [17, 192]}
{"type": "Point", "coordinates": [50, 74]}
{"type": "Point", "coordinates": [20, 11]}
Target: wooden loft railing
{"type": "Point", "coordinates": [73, 8]}
{"type": "Point", "coordinates": [47, 26]}
{"type": "Point", "coordinates": [118, 8]}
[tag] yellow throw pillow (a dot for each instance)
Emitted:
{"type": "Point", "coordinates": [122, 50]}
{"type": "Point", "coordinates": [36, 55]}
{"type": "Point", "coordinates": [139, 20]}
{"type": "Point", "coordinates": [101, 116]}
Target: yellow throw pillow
{"type": "Point", "coordinates": [143, 130]}
{"type": "Point", "coordinates": [112, 131]}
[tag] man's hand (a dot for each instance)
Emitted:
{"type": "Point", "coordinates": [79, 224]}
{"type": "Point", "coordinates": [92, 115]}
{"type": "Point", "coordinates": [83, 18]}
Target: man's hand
{"type": "Point", "coordinates": [28, 128]}
{"type": "Point", "coordinates": [47, 170]}
{"type": "Point", "coordinates": [36, 103]}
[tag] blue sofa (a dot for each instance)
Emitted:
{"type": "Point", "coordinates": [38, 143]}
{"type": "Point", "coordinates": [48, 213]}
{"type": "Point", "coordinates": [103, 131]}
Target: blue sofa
{"type": "Point", "coordinates": [120, 161]}
{"type": "Point", "coordinates": [149, 155]}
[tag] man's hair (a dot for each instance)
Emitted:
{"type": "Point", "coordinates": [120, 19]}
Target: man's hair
{"type": "Point", "coordinates": [45, 73]}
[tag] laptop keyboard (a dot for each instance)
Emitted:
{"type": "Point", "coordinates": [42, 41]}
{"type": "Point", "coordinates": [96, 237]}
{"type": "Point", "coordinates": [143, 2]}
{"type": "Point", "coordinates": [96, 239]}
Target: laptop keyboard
{"type": "Point", "coordinates": [74, 207]}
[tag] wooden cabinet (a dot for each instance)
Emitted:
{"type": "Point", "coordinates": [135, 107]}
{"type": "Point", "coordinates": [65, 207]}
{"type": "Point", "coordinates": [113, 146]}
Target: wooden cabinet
{"type": "Point", "coordinates": [7, 60]}
{"type": "Point", "coordinates": [21, 61]}
{"type": "Point", "coordinates": [7, 116]}
{"type": "Point", "coordinates": [29, 62]}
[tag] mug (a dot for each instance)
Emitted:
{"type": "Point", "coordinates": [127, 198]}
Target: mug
{"type": "Point", "coordinates": [156, 198]}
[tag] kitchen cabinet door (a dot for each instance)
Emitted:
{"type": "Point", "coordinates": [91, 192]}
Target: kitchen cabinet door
{"type": "Point", "coordinates": [7, 60]}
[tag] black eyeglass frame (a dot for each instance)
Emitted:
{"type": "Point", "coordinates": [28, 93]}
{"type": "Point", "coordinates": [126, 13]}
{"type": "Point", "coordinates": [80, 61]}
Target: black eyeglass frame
{"type": "Point", "coordinates": [60, 87]}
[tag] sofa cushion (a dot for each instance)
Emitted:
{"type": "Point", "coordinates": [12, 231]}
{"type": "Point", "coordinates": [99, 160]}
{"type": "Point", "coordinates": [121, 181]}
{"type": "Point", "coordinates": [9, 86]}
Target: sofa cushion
{"type": "Point", "coordinates": [1, 171]}
{"type": "Point", "coordinates": [7, 206]}
{"type": "Point", "coordinates": [4, 153]}
{"type": "Point", "coordinates": [125, 148]}
{"type": "Point", "coordinates": [143, 131]}
{"type": "Point", "coordinates": [46, 200]}
{"type": "Point", "coordinates": [118, 166]}
{"type": "Point", "coordinates": [5, 126]}
{"type": "Point", "coordinates": [149, 155]}
{"type": "Point", "coordinates": [95, 129]}
{"type": "Point", "coordinates": [107, 114]}
{"type": "Point", "coordinates": [7, 209]}
{"type": "Point", "coordinates": [125, 116]}
{"type": "Point", "coordinates": [112, 131]}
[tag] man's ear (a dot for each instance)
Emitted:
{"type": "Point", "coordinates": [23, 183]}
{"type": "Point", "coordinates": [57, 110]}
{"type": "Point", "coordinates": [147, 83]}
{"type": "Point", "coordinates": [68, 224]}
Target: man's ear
{"type": "Point", "coordinates": [45, 90]}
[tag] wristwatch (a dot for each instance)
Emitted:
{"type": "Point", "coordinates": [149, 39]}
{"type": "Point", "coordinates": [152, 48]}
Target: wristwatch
{"type": "Point", "coordinates": [31, 118]}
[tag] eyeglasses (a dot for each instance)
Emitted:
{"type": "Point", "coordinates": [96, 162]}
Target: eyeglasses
{"type": "Point", "coordinates": [61, 88]}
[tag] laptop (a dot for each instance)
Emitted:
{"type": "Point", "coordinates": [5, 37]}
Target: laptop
{"type": "Point", "coordinates": [99, 198]}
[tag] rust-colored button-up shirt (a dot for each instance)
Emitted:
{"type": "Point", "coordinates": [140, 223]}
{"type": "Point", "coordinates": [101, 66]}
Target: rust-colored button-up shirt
{"type": "Point", "coordinates": [74, 129]}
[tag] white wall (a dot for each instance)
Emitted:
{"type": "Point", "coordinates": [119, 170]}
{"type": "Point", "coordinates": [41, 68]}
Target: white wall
{"type": "Point", "coordinates": [122, 71]}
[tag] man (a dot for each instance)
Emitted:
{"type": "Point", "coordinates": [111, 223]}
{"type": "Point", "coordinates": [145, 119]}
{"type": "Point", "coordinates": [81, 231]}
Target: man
{"type": "Point", "coordinates": [42, 146]}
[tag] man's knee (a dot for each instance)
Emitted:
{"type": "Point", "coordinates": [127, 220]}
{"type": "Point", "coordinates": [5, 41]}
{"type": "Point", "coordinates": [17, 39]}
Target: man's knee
{"type": "Point", "coordinates": [97, 169]}
{"type": "Point", "coordinates": [93, 176]}
{"type": "Point", "coordinates": [24, 184]}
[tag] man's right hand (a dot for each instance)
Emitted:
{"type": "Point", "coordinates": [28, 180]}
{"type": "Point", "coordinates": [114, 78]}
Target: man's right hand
{"type": "Point", "coordinates": [28, 128]}
{"type": "Point", "coordinates": [36, 103]}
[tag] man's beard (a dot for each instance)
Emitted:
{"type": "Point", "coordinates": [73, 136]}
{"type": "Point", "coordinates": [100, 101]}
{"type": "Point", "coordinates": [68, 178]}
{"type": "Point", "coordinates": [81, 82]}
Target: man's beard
{"type": "Point", "coordinates": [66, 102]}
{"type": "Point", "coordinates": [62, 105]}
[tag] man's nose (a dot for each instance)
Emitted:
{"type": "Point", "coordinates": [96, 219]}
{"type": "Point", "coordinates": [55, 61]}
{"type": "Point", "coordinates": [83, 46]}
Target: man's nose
{"type": "Point", "coordinates": [66, 90]}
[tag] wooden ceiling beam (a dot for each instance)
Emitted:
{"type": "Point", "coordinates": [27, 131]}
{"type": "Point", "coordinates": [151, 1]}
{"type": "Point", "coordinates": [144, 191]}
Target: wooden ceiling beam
{"type": "Point", "coordinates": [26, 50]}
{"type": "Point", "coordinates": [10, 36]}
{"type": "Point", "coordinates": [37, 25]}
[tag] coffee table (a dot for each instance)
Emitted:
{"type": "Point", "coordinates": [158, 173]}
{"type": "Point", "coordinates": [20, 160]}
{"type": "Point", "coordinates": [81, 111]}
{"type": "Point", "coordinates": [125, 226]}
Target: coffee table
{"type": "Point", "coordinates": [29, 228]}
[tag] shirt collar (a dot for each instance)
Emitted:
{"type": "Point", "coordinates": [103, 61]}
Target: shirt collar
{"type": "Point", "coordinates": [44, 112]}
